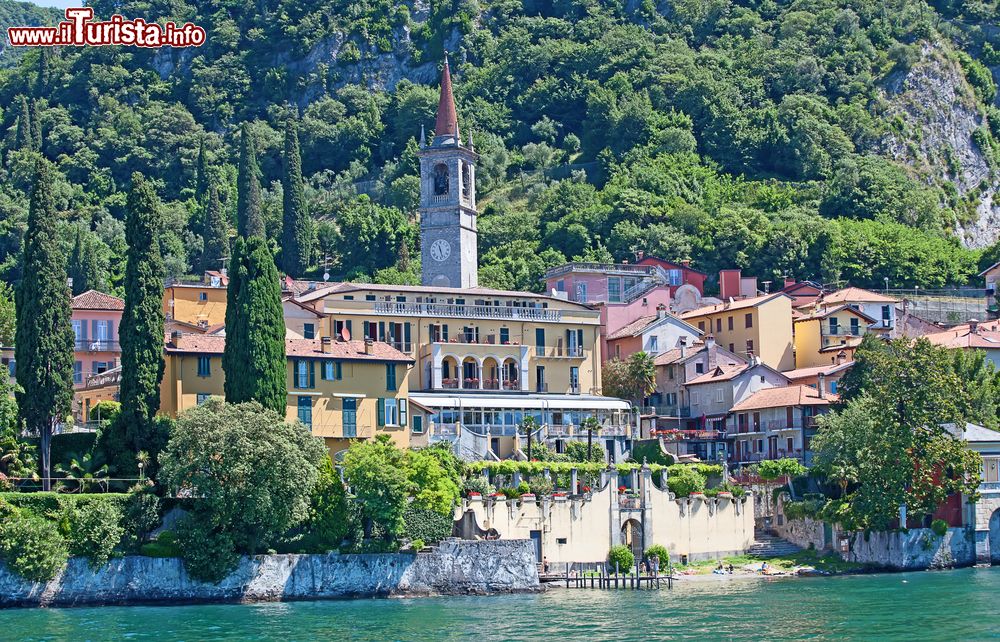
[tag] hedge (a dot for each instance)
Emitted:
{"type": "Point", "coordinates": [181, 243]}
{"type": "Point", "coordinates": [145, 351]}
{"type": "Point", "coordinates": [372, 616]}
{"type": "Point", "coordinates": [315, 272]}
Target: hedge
{"type": "Point", "coordinates": [69, 444]}
{"type": "Point", "coordinates": [509, 467]}
{"type": "Point", "coordinates": [50, 505]}
{"type": "Point", "coordinates": [426, 525]}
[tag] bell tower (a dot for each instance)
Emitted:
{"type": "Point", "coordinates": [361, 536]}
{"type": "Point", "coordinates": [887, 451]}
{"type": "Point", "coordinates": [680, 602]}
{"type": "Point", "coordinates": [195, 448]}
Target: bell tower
{"type": "Point", "coordinates": [448, 238]}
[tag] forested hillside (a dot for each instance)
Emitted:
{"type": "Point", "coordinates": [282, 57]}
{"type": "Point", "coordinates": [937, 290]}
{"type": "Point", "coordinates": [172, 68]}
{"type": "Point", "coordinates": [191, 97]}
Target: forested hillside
{"type": "Point", "coordinates": [825, 139]}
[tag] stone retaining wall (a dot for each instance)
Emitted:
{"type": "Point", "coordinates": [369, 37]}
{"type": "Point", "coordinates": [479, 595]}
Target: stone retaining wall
{"type": "Point", "coordinates": [454, 567]}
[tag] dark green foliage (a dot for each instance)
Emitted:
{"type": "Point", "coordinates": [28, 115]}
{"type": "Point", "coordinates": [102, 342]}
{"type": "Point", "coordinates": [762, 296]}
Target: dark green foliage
{"type": "Point", "coordinates": [96, 529]}
{"type": "Point", "coordinates": [140, 516]}
{"type": "Point", "coordinates": [249, 219]}
{"type": "Point", "coordinates": [209, 552]}
{"type": "Point", "coordinates": [44, 336]}
{"type": "Point", "coordinates": [32, 547]}
{"type": "Point", "coordinates": [215, 233]}
{"type": "Point", "coordinates": [661, 552]}
{"type": "Point", "coordinates": [254, 357]}
{"type": "Point", "coordinates": [141, 326]}
{"type": "Point", "coordinates": [83, 265]}
{"type": "Point", "coordinates": [427, 525]}
{"type": "Point", "coordinates": [201, 175]}
{"type": "Point", "coordinates": [940, 527]}
{"type": "Point", "coordinates": [165, 545]}
{"type": "Point", "coordinates": [620, 559]}
{"type": "Point", "coordinates": [577, 451]}
{"type": "Point", "coordinates": [329, 517]}
{"type": "Point", "coordinates": [376, 472]}
{"type": "Point", "coordinates": [296, 231]}
{"type": "Point", "coordinates": [36, 127]}
{"type": "Point", "coordinates": [22, 136]}
{"type": "Point", "coordinates": [684, 480]}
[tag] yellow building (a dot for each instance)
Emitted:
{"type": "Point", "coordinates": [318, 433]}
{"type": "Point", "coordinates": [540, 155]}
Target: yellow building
{"type": "Point", "coordinates": [485, 359]}
{"type": "Point", "coordinates": [342, 390]}
{"type": "Point", "coordinates": [199, 303]}
{"type": "Point", "coordinates": [823, 336]}
{"type": "Point", "coordinates": [757, 326]}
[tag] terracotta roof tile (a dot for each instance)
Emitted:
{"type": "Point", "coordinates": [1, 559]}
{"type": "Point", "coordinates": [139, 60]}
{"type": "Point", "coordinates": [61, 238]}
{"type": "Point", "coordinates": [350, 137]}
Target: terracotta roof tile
{"type": "Point", "coordinates": [738, 304]}
{"type": "Point", "coordinates": [784, 396]}
{"type": "Point", "coordinates": [851, 295]}
{"type": "Point", "coordinates": [446, 123]}
{"type": "Point", "coordinates": [632, 329]}
{"type": "Point", "coordinates": [721, 372]}
{"type": "Point", "coordinates": [804, 373]}
{"type": "Point", "coordinates": [986, 336]}
{"type": "Point", "coordinates": [822, 313]}
{"type": "Point", "coordinates": [94, 300]}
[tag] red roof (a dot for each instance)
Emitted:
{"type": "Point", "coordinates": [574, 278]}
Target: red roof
{"type": "Point", "coordinates": [447, 117]}
{"type": "Point", "coordinates": [296, 348]}
{"type": "Point", "coordinates": [94, 300]}
{"type": "Point", "coordinates": [985, 336]}
{"type": "Point", "coordinates": [785, 396]}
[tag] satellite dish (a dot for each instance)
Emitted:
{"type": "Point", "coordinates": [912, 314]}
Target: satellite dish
{"type": "Point", "coordinates": [326, 276]}
{"type": "Point", "coordinates": [345, 334]}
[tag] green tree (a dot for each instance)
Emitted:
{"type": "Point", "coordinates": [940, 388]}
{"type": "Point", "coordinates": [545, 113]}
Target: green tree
{"type": "Point", "coordinates": [296, 231]}
{"type": "Point", "coordinates": [8, 315]}
{"type": "Point", "coordinates": [329, 515]}
{"type": "Point", "coordinates": [202, 179]}
{"type": "Point", "coordinates": [253, 473]}
{"type": "Point", "coordinates": [254, 357]}
{"type": "Point", "coordinates": [431, 484]}
{"type": "Point", "coordinates": [376, 472]}
{"type": "Point", "coordinates": [771, 470]}
{"type": "Point", "coordinates": [528, 427]}
{"type": "Point", "coordinates": [249, 218]}
{"type": "Point", "coordinates": [592, 426]}
{"type": "Point", "coordinates": [142, 324]}
{"type": "Point", "coordinates": [633, 379]}
{"type": "Point", "coordinates": [215, 233]}
{"type": "Point", "coordinates": [84, 268]}
{"type": "Point", "coordinates": [22, 135]}
{"type": "Point", "coordinates": [44, 337]}
{"type": "Point", "coordinates": [36, 127]}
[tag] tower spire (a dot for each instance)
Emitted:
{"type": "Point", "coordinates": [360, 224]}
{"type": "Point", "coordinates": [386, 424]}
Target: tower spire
{"type": "Point", "coordinates": [446, 124]}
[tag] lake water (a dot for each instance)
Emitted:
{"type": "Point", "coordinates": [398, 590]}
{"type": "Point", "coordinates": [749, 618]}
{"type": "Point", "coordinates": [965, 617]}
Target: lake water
{"type": "Point", "coordinates": [945, 605]}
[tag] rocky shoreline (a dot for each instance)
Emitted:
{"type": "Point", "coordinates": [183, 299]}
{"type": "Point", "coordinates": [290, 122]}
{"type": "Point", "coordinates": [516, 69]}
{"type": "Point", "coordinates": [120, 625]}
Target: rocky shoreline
{"type": "Point", "coordinates": [455, 567]}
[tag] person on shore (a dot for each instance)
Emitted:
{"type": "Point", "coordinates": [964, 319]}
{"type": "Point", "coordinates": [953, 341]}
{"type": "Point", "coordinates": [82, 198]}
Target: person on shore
{"type": "Point", "coordinates": [545, 566]}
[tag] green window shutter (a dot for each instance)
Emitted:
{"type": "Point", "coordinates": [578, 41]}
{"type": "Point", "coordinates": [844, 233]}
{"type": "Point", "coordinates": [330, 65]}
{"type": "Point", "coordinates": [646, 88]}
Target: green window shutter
{"type": "Point", "coordinates": [444, 332]}
{"type": "Point", "coordinates": [295, 373]}
{"type": "Point", "coordinates": [402, 413]}
{"type": "Point", "coordinates": [312, 374]}
{"type": "Point", "coordinates": [381, 330]}
{"type": "Point", "coordinates": [349, 330]}
{"type": "Point", "coordinates": [390, 376]}
{"type": "Point", "coordinates": [406, 333]}
{"type": "Point", "coordinates": [381, 412]}
{"type": "Point", "coordinates": [340, 372]}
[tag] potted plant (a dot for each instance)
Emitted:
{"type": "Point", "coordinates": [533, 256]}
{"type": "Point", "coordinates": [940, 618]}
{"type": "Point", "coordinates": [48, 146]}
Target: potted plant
{"type": "Point", "coordinates": [475, 496]}
{"type": "Point", "coordinates": [621, 489]}
{"type": "Point", "coordinates": [527, 497]}
{"type": "Point", "coordinates": [586, 489]}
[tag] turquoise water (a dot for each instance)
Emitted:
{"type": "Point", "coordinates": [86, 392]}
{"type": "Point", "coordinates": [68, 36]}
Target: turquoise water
{"type": "Point", "coordinates": [947, 605]}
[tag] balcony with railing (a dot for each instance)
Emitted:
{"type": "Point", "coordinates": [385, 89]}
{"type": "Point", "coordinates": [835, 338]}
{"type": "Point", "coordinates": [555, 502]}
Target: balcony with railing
{"type": "Point", "coordinates": [561, 352]}
{"type": "Point", "coordinates": [403, 346]}
{"type": "Point", "coordinates": [96, 345]}
{"type": "Point", "coordinates": [600, 268]}
{"type": "Point", "coordinates": [466, 311]}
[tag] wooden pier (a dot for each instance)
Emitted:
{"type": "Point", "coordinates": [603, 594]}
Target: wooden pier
{"type": "Point", "coordinates": [606, 580]}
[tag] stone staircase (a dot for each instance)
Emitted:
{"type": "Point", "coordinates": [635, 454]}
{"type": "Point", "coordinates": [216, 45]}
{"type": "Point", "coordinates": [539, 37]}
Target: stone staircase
{"type": "Point", "coordinates": [767, 545]}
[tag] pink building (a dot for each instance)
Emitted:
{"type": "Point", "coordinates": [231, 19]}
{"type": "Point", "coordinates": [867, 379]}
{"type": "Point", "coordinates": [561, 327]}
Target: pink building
{"type": "Point", "coordinates": [96, 321]}
{"type": "Point", "coordinates": [623, 292]}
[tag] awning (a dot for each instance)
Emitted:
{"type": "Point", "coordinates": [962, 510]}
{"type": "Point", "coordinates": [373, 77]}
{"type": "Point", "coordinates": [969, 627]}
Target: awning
{"type": "Point", "coordinates": [520, 402]}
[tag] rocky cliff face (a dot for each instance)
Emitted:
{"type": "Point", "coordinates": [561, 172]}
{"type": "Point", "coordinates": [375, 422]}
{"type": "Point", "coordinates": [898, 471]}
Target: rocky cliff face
{"type": "Point", "coordinates": [934, 115]}
{"type": "Point", "coordinates": [454, 567]}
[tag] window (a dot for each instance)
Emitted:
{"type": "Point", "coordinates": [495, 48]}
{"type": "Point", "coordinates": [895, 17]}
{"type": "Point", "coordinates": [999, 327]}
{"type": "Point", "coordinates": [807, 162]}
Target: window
{"type": "Point", "coordinates": [581, 292]}
{"type": "Point", "coordinates": [78, 332]}
{"type": "Point", "coordinates": [834, 325]}
{"type": "Point", "coordinates": [729, 323]}
{"type": "Point", "coordinates": [309, 330]}
{"type": "Point", "coordinates": [388, 412]}
{"type": "Point", "coordinates": [203, 296]}
{"type": "Point", "coordinates": [701, 326]}
{"type": "Point", "coordinates": [749, 346]}
{"type": "Point", "coordinates": [855, 326]}
{"type": "Point", "coordinates": [340, 326]}
{"type": "Point", "coordinates": [833, 387]}
{"type": "Point", "coordinates": [77, 372]}
{"type": "Point", "coordinates": [561, 285]}
{"type": "Point", "coordinates": [748, 319]}
{"type": "Point", "coordinates": [718, 324]}
{"type": "Point", "coordinates": [732, 348]}
{"type": "Point", "coordinates": [654, 344]}
{"type": "Point", "coordinates": [719, 396]}
{"type": "Point", "coordinates": [540, 341]}
{"type": "Point", "coordinates": [204, 366]}
{"type": "Point", "coordinates": [349, 414]}
{"type": "Point", "coordinates": [348, 297]}
{"type": "Point", "coordinates": [699, 368]}
{"type": "Point", "coordinates": [614, 289]}
{"type": "Point", "coordinates": [790, 445]}
{"type": "Point", "coordinates": [670, 373]}
{"type": "Point", "coordinates": [305, 410]}
{"type": "Point", "coordinates": [417, 424]}
{"type": "Point", "coordinates": [574, 379]}
{"type": "Point", "coordinates": [886, 315]}
{"type": "Point", "coordinates": [504, 336]}
{"type": "Point", "coordinates": [991, 469]}
{"type": "Point", "coordinates": [560, 540]}
{"type": "Point", "coordinates": [202, 397]}
{"type": "Point", "coordinates": [676, 277]}
{"type": "Point", "coordinates": [332, 371]}
{"type": "Point", "coordinates": [694, 398]}
{"type": "Point", "coordinates": [369, 297]}
{"type": "Point", "coordinates": [303, 374]}
{"type": "Point", "coordinates": [618, 351]}
{"type": "Point", "coordinates": [390, 376]}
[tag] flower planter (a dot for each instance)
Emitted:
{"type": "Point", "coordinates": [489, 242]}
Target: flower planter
{"type": "Point", "coordinates": [698, 496]}
{"type": "Point", "coordinates": [725, 495]}
{"type": "Point", "coordinates": [527, 497]}
{"type": "Point", "coordinates": [475, 497]}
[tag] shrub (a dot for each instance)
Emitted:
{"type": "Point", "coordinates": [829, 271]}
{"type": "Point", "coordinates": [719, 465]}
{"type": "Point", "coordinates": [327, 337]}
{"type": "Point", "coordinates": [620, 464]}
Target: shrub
{"type": "Point", "coordinates": [660, 551]}
{"type": "Point", "coordinates": [95, 532]}
{"type": "Point", "coordinates": [165, 545]}
{"type": "Point", "coordinates": [329, 518]}
{"type": "Point", "coordinates": [32, 548]}
{"type": "Point", "coordinates": [209, 554]}
{"type": "Point", "coordinates": [621, 556]}
{"type": "Point", "coordinates": [479, 485]}
{"type": "Point", "coordinates": [140, 516]}
{"type": "Point", "coordinates": [540, 485]}
{"type": "Point", "coordinates": [523, 488]}
{"type": "Point", "coordinates": [684, 480]}
{"type": "Point", "coordinates": [417, 544]}
{"type": "Point", "coordinates": [940, 527]}
{"type": "Point", "coordinates": [427, 525]}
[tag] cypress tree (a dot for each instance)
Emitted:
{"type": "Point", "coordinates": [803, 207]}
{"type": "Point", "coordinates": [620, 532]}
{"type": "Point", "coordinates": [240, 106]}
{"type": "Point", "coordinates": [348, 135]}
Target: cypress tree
{"type": "Point", "coordinates": [36, 127]}
{"type": "Point", "coordinates": [44, 334]}
{"type": "Point", "coordinates": [142, 322]}
{"type": "Point", "coordinates": [254, 358]}
{"type": "Point", "coordinates": [22, 136]}
{"type": "Point", "coordinates": [83, 267]}
{"type": "Point", "coordinates": [201, 176]}
{"type": "Point", "coordinates": [296, 231]}
{"type": "Point", "coordinates": [249, 220]}
{"type": "Point", "coordinates": [215, 233]}
{"type": "Point", "coordinates": [42, 80]}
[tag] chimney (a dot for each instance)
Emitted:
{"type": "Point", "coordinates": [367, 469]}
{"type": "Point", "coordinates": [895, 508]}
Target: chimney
{"type": "Point", "coordinates": [175, 339]}
{"type": "Point", "coordinates": [661, 311]}
{"type": "Point", "coordinates": [973, 326]}
{"type": "Point", "coordinates": [683, 341]}
{"type": "Point", "coordinates": [729, 284]}
{"type": "Point", "coordinates": [686, 262]}
{"type": "Point", "coordinates": [327, 344]}
{"type": "Point", "coordinates": [821, 384]}
{"type": "Point", "coordinates": [711, 352]}
{"type": "Point", "coordinates": [789, 282]}
{"type": "Point", "coordinates": [369, 345]}
{"type": "Point", "coordinates": [639, 254]}
{"type": "Point", "coordinates": [203, 324]}
{"type": "Point", "coordinates": [841, 357]}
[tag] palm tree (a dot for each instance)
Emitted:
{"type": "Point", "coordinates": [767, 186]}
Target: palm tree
{"type": "Point", "coordinates": [591, 425]}
{"type": "Point", "coordinates": [642, 376]}
{"type": "Point", "coordinates": [85, 470]}
{"type": "Point", "coordinates": [528, 426]}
